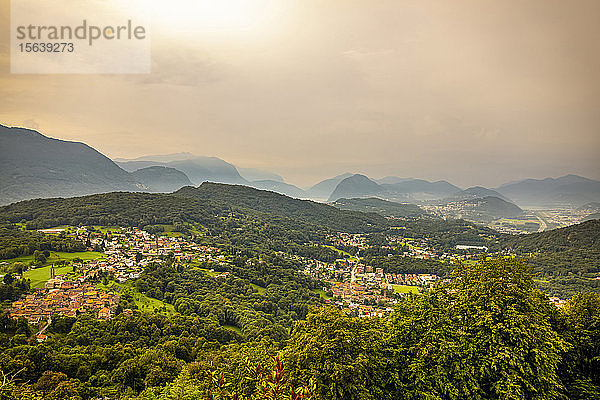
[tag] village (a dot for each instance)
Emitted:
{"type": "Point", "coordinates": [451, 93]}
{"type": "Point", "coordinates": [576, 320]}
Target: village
{"type": "Point", "coordinates": [365, 290]}
{"type": "Point", "coordinates": [68, 299]}
{"type": "Point", "coordinates": [413, 248]}
{"type": "Point", "coordinates": [128, 252]}
{"type": "Point", "coordinates": [360, 289]}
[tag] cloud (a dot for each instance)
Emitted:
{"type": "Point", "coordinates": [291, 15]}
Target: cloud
{"type": "Point", "coordinates": [182, 66]}
{"type": "Point", "coordinates": [476, 92]}
{"type": "Point", "coordinates": [354, 53]}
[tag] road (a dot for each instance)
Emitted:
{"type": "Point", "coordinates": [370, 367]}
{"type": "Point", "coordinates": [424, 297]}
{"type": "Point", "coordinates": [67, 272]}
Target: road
{"type": "Point", "coordinates": [543, 224]}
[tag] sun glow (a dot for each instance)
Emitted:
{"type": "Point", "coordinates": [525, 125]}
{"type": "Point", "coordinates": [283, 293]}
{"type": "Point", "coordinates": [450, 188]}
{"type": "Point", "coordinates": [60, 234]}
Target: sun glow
{"type": "Point", "coordinates": [215, 16]}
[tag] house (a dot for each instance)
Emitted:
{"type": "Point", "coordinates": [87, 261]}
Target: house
{"type": "Point", "coordinates": [104, 313]}
{"type": "Point", "coordinates": [40, 337]}
{"type": "Point", "coordinates": [53, 283]}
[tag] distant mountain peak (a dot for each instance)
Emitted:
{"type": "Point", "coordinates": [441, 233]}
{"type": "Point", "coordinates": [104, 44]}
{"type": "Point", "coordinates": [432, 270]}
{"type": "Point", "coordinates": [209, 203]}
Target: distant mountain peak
{"type": "Point", "coordinates": [355, 186]}
{"type": "Point", "coordinates": [197, 169]}
{"type": "Point", "coordinates": [256, 174]}
{"type": "Point", "coordinates": [478, 192]}
{"type": "Point", "coordinates": [159, 178]}
{"type": "Point", "coordinates": [343, 176]}
{"type": "Point", "coordinates": [34, 165]}
{"type": "Point", "coordinates": [393, 179]}
{"type": "Point", "coordinates": [323, 190]}
{"type": "Point", "coordinates": [279, 187]}
{"type": "Point", "coordinates": [361, 177]}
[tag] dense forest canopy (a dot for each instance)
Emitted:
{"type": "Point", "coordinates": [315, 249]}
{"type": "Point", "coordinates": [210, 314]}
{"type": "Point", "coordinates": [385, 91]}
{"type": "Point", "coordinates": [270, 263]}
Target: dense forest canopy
{"type": "Point", "coordinates": [255, 326]}
{"type": "Point", "coordinates": [15, 242]}
{"type": "Point", "coordinates": [576, 237]}
{"type": "Point", "coordinates": [486, 334]}
{"type": "Point", "coordinates": [206, 205]}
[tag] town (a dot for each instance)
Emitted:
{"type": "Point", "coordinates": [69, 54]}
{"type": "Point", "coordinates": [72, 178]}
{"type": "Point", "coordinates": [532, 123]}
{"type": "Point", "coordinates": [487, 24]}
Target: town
{"type": "Point", "coordinates": [348, 283]}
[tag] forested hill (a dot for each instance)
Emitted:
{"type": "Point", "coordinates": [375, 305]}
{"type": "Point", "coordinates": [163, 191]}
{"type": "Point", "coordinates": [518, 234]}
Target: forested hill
{"type": "Point", "coordinates": [379, 206]}
{"type": "Point", "coordinates": [15, 242]}
{"type": "Point", "coordinates": [118, 208]}
{"type": "Point", "coordinates": [584, 237]}
{"type": "Point", "coordinates": [215, 206]}
{"type": "Point", "coordinates": [284, 206]}
{"type": "Point", "coordinates": [565, 259]}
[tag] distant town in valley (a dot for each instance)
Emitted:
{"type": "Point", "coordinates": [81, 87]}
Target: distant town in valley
{"type": "Point", "coordinates": [123, 253]}
{"type": "Point", "coordinates": [113, 249]}
{"type": "Point", "coordinates": [299, 200]}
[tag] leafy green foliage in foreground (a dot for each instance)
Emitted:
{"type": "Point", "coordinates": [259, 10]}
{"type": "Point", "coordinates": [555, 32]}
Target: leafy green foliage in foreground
{"type": "Point", "coordinates": [487, 334]}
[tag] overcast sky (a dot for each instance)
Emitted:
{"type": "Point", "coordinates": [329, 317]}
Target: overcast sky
{"type": "Point", "coordinates": [474, 92]}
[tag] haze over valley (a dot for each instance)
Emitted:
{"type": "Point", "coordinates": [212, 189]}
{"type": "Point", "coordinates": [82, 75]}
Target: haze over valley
{"type": "Point", "coordinates": [38, 166]}
{"type": "Point", "coordinates": [299, 200]}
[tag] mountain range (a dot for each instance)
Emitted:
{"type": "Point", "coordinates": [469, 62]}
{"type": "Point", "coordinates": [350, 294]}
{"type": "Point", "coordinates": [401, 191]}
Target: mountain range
{"type": "Point", "coordinates": [487, 209]}
{"type": "Point", "coordinates": [478, 192]}
{"type": "Point", "coordinates": [34, 165]}
{"type": "Point", "coordinates": [198, 169]}
{"type": "Point", "coordinates": [323, 190]}
{"type": "Point", "coordinates": [568, 190]}
{"type": "Point", "coordinates": [161, 179]}
{"type": "Point", "coordinates": [212, 169]}
{"type": "Point", "coordinates": [397, 189]}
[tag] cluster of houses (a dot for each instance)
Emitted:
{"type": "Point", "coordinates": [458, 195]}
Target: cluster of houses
{"type": "Point", "coordinates": [369, 274]}
{"type": "Point", "coordinates": [352, 271]}
{"type": "Point", "coordinates": [358, 240]}
{"type": "Point", "coordinates": [358, 299]}
{"type": "Point", "coordinates": [560, 303]}
{"type": "Point", "coordinates": [363, 290]}
{"type": "Point", "coordinates": [416, 248]}
{"type": "Point", "coordinates": [130, 251]}
{"type": "Point", "coordinates": [69, 298]}
{"type": "Point", "coordinates": [134, 241]}
{"type": "Point", "coordinates": [349, 291]}
{"type": "Point", "coordinates": [411, 279]}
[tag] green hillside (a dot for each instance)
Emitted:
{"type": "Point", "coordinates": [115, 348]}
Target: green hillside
{"type": "Point", "coordinates": [229, 215]}
{"type": "Point", "coordinates": [566, 259]}
{"type": "Point", "coordinates": [580, 237]}
{"type": "Point", "coordinates": [16, 242]}
{"type": "Point", "coordinates": [282, 206]}
{"type": "Point", "coordinates": [379, 206]}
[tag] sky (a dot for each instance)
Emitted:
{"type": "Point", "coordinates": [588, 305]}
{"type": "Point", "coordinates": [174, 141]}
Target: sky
{"type": "Point", "coordinates": [475, 92]}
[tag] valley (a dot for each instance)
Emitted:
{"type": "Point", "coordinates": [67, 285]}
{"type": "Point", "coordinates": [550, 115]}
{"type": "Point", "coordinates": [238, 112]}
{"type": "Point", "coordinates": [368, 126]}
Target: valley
{"type": "Point", "coordinates": [228, 271]}
{"type": "Point", "coordinates": [563, 201]}
{"type": "Point", "coordinates": [187, 268]}
{"type": "Point", "coordinates": [300, 200]}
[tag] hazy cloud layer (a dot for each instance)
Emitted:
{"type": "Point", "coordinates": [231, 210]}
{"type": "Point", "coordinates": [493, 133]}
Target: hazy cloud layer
{"type": "Point", "coordinates": [476, 92]}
